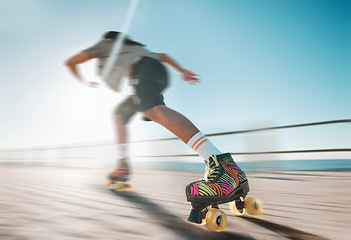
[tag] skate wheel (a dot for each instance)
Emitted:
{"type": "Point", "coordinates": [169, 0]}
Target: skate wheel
{"type": "Point", "coordinates": [203, 222]}
{"type": "Point", "coordinates": [235, 210]}
{"type": "Point", "coordinates": [128, 186]}
{"type": "Point", "coordinates": [110, 185]}
{"type": "Point", "coordinates": [216, 220]}
{"type": "Point", "coordinates": [123, 186]}
{"type": "Point", "coordinates": [119, 186]}
{"type": "Point", "coordinates": [253, 206]}
{"type": "Point", "coordinates": [203, 216]}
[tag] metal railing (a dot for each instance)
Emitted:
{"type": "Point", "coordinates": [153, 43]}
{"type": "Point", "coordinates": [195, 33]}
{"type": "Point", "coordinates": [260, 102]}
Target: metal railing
{"type": "Point", "coordinates": [104, 153]}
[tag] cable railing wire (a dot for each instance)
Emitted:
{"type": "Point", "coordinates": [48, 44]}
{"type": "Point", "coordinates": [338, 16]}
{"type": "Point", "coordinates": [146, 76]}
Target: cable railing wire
{"type": "Point", "coordinates": [258, 129]}
{"type": "Point", "coordinates": [210, 135]}
{"type": "Point", "coordinates": [254, 153]}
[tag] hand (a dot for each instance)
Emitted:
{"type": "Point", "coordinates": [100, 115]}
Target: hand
{"type": "Point", "coordinates": [190, 76]}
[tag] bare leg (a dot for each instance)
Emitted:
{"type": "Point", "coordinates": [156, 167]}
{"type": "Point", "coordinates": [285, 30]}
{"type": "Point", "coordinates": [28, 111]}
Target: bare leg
{"type": "Point", "coordinates": [122, 171]}
{"type": "Point", "coordinates": [120, 130]}
{"type": "Point", "coordinates": [175, 122]}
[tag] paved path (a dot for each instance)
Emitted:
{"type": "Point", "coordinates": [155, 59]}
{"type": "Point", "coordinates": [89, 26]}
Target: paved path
{"type": "Point", "coordinates": [70, 203]}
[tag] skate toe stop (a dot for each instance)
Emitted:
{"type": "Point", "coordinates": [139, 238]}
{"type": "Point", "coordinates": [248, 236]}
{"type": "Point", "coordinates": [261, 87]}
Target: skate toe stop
{"type": "Point", "coordinates": [195, 216]}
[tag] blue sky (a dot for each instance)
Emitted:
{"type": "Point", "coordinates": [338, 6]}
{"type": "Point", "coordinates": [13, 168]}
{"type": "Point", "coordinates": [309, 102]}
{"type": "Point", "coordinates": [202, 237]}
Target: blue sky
{"type": "Point", "coordinates": [262, 63]}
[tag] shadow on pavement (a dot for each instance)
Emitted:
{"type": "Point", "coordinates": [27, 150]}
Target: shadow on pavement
{"type": "Point", "coordinates": [174, 223]}
{"type": "Point", "coordinates": [284, 231]}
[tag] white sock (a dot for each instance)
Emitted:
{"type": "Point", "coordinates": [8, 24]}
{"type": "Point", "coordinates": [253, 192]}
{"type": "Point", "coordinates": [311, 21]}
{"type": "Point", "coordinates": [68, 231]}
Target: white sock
{"type": "Point", "coordinates": [200, 144]}
{"type": "Point", "coordinates": [123, 150]}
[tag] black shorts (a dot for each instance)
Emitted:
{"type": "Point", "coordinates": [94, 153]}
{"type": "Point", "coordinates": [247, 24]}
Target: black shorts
{"type": "Point", "coordinates": [149, 79]}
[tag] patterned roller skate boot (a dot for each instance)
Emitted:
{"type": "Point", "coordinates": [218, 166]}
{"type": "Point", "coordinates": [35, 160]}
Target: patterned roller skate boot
{"type": "Point", "coordinates": [118, 179]}
{"type": "Point", "coordinates": [224, 182]}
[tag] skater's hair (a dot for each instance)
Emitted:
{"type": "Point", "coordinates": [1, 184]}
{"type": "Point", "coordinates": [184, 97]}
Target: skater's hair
{"type": "Point", "coordinates": [112, 35]}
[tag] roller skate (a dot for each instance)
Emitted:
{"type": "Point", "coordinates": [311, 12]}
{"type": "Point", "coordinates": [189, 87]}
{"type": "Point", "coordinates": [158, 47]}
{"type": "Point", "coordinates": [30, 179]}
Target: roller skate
{"type": "Point", "coordinates": [118, 179]}
{"type": "Point", "coordinates": [224, 182]}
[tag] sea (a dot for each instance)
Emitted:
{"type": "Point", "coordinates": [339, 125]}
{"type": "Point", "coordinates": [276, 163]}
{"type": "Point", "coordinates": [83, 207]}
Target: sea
{"type": "Point", "coordinates": [275, 165]}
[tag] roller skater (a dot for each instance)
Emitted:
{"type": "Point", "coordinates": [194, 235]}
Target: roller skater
{"type": "Point", "coordinates": [224, 180]}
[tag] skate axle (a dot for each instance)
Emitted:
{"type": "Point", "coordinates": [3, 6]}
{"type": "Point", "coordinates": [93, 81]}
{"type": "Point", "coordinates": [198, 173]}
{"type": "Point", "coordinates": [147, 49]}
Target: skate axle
{"type": "Point", "coordinates": [240, 204]}
{"type": "Point", "coordinates": [219, 220]}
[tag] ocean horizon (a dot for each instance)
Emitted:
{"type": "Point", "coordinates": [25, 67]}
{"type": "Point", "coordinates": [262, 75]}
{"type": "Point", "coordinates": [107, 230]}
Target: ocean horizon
{"type": "Point", "coordinates": [340, 165]}
{"type": "Point", "coordinates": [264, 165]}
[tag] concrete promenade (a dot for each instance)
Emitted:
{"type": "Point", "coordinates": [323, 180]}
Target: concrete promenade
{"type": "Point", "coordinates": [70, 203]}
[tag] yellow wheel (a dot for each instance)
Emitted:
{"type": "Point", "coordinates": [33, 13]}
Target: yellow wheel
{"type": "Point", "coordinates": [216, 220]}
{"type": "Point", "coordinates": [128, 186]}
{"type": "Point", "coordinates": [110, 185]}
{"type": "Point", "coordinates": [119, 186]}
{"type": "Point", "coordinates": [123, 186]}
{"type": "Point", "coordinates": [203, 221]}
{"type": "Point", "coordinates": [203, 216]}
{"type": "Point", "coordinates": [253, 206]}
{"type": "Point", "coordinates": [234, 210]}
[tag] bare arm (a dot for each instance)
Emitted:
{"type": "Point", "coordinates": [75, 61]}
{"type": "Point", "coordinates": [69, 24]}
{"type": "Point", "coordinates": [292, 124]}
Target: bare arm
{"type": "Point", "coordinates": [72, 63]}
{"type": "Point", "coordinates": [186, 74]}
